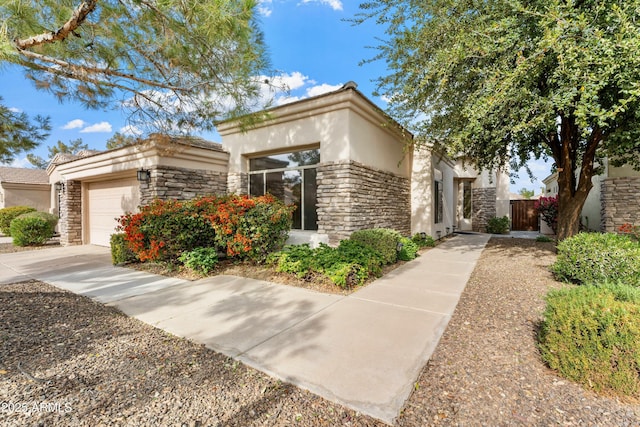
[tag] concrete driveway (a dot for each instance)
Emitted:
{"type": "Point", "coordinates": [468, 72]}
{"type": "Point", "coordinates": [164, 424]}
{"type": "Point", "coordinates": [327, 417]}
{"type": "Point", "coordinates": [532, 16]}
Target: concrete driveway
{"type": "Point", "coordinates": [364, 350]}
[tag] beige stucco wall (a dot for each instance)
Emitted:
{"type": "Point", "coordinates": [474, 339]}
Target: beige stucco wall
{"type": "Point", "coordinates": [343, 125]}
{"type": "Point", "coordinates": [34, 195]}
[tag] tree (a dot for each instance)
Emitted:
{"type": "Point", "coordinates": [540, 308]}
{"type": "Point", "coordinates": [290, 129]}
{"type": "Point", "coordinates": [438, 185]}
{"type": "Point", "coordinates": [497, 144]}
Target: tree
{"type": "Point", "coordinates": [120, 140]}
{"type": "Point", "coordinates": [175, 64]}
{"type": "Point", "coordinates": [71, 148]}
{"type": "Point", "coordinates": [505, 81]}
{"type": "Point", "coordinates": [18, 133]}
{"type": "Point", "coordinates": [527, 194]}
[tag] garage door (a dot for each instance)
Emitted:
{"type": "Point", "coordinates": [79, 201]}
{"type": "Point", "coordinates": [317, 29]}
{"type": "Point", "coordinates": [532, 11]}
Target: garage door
{"type": "Point", "coordinates": [107, 200]}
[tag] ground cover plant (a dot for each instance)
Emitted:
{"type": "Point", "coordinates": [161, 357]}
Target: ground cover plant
{"type": "Point", "coordinates": [598, 257]}
{"type": "Point", "coordinates": [591, 334]}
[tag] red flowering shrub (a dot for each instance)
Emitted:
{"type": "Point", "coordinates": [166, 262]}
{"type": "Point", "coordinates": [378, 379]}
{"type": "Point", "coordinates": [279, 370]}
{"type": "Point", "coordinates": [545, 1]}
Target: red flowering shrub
{"type": "Point", "coordinates": [243, 227]}
{"type": "Point", "coordinates": [548, 208]}
{"type": "Point", "coordinates": [630, 230]}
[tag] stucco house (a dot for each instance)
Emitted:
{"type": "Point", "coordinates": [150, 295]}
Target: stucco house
{"type": "Point", "coordinates": [24, 187]}
{"type": "Point", "coordinates": [613, 200]}
{"type": "Point", "coordinates": [337, 157]}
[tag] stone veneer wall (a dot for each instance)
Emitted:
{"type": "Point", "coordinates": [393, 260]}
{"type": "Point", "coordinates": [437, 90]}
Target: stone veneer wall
{"type": "Point", "coordinates": [181, 184]}
{"type": "Point", "coordinates": [352, 196]}
{"type": "Point", "coordinates": [237, 182]}
{"type": "Point", "coordinates": [70, 223]}
{"type": "Point", "coordinates": [483, 202]}
{"type": "Point", "coordinates": [619, 202]}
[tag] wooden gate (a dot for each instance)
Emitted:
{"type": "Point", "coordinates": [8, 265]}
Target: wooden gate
{"type": "Point", "coordinates": [524, 216]}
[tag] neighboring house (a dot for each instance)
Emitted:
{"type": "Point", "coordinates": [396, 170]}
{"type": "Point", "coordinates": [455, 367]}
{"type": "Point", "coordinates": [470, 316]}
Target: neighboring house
{"type": "Point", "coordinates": [24, 187]}
{"type": "Point", "coordinates": [337, 157]}
{"type": "Point", "coordinates": [613, 200]}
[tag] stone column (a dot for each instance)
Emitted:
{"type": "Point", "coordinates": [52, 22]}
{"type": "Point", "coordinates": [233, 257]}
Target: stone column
{"type": "Point", "coordinates": [619, 201]}
{"type": "Point", "coordinates": [483, 202]}
{"type": "Point", "coordinates": [70, 223]}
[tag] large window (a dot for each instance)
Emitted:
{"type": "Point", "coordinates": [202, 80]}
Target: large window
{"type": "Point", "coordinates": [291, 177]}
{"type": "Point", "coordinates": [439, 202]}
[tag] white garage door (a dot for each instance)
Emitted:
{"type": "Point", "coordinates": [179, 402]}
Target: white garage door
{"type": "Point", "coordinates": [107, 200]}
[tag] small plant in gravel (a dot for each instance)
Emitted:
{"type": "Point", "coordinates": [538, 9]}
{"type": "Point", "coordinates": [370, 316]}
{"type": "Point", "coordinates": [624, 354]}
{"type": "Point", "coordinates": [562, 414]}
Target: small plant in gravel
{"type": "Point", "coordinates": [9, 214]}
{"type": "Point", "coordinates": [544, 239]}
{"type": "Point", "coordinates": [591, 335]}
{"type": "Point", "coordinates": [200, 260]}
{"type": "Point", "coordinates": [598, 257]}
{"type": "Point", "coordinates": [33, 228]}
{"type": "Point", "coordinates": [498, 225]}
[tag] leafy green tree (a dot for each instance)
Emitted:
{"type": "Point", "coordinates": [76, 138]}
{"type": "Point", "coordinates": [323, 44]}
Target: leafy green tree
{"type": "Point", "coordinates": [18, 133]}
{"type": "Point", "coordinates": [175, 64]}
{"type": "Point", "coordinates": [527, 194]}
{"type": "Point", "coordinates": [71, 148]}
{"type": "Point", "coordinates": [120, 140]}
{"type": "Point", "coordinates": [505, 81]}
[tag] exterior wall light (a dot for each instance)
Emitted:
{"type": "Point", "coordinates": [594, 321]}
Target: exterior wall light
{"type": "Point", "coordinates": [423, 235]}
{"type": "Point", "coordinates": [439, 233]}
{"type": "Point", "coordinates": [447, 231]}
{"type": "Point", "coordinates": [143, 175]}
{"type": "Point", "coordinates": [399, 246]}
{"type": "Point", "coordinates": [59, 186]}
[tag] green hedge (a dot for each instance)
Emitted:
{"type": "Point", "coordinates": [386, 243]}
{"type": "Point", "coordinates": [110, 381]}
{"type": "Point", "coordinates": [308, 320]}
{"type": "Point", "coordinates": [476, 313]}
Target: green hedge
{"type": "Point", "coordinates": [383, 240]}
{"type": "Point", "coordinates": [591, 335]}
{"type": "Point", "coordinates": [598, 257]}
{"type": "Point", "coordinates": [499, 225]}
{"type": "Point", "coordinates": [8, 214]}
{"type": "Point", "coordinates": [32, 228]}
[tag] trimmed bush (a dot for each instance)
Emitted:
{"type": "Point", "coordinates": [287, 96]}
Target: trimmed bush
{"type": "Point", "coordinates": [499, 225]}
{"type": "Point", "coordinates": [423, 242]}
{"type": "Point", "coordinates": [200, 260]}
{"type": "Point", "coordinates": [120, 252]}
{"type": "Point", "coordinates": [9, 214]}
{"type": "Point", "coordinates": [591, 335]}
{"type": "Point", "coordinates": [598, 257]}
{"type": "Point", "coordinates": [409, 250]}
{"type": "Point", "coordinates": [383, 240]}
{"type": "Point", "coordinates": [32, 228]}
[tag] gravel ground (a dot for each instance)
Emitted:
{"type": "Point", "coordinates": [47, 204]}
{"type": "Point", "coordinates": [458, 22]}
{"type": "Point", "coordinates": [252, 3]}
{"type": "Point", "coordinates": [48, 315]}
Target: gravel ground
{"type": "Point", "coordinates": [65, 360]}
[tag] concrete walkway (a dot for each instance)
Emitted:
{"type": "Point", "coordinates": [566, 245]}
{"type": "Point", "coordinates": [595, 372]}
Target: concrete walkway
{"type": "Point", "coordinates": [364, 350]}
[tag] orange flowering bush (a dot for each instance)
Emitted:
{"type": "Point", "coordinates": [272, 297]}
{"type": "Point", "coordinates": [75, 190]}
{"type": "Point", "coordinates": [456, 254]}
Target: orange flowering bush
{"type": "Point", "coordinates": [242, 227]}
{"type": "Point", "coordinates": [630, 230]}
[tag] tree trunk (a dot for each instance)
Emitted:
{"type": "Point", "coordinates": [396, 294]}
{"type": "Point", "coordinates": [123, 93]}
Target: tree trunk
{"type": "Point", "coordinates": [569, 210]}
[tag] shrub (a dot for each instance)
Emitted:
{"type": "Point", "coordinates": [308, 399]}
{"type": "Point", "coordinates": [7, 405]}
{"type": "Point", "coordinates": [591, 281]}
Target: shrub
{"type": "Point", "coordinates": [423, 242]}
{"type": "Point", "coordinates": [350, 264]}
{"type": "Point", "coordinates": [630, 230]}
{"type": "Point", "coordinates": [120, 252]}
{"type": "Point", "coordinates": [591, 335]}
{"type": "Point", "coordinates": [8, 214]}
{"type": "Point", "coordinates": [32, 228]}
{"type": "Point", "coordinates": [409, 250]}
{"type": "Point", "coordinates": [201, 260]}
{"type": "Point", "coordinates": [498, 225]}
{"type": "Point", "coordinates": [598, 257]}
{"type": "Point", "coordinates": [383, 240]}
{"type": "Point", "coordinates": [243, 227]}
{"type": "Point", "coordinates": [543, 239]}
{"type": "Point", "coordinates": [548, 208]}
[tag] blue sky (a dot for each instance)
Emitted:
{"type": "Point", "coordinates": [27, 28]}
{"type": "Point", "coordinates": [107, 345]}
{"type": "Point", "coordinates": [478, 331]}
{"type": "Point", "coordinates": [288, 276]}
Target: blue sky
{"type": "Point", "coordinates": [311, 45]}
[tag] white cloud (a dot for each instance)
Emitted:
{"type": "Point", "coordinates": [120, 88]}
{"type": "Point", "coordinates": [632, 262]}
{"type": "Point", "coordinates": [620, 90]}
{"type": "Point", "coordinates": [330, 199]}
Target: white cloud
{"type": "Point", "coordinates": [74, 124]}
{"type": "Point", "coordinates": [264, 7]}
{"type": "Point", "coordinates": [323, 88]}
{"type": "Point", "coordinates": [15, 110]}
{"type": "Point", "coordinates": [98, 127]}
{"type": "Point", "coordinates": [334, 4]}
{"type": "Point", "coordinates": [130, 130]}
{"type": "Point", "coordinates": [21, 163]}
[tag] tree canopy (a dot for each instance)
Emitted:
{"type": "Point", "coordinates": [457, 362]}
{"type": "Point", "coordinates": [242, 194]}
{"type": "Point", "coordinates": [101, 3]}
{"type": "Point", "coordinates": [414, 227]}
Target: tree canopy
{"type": "Point", "coordinates": [19, 133]}
{"type": "Point", "coordinates": [174, 64]}
{"type": "Point", "coordinates": [504, 81]}
{"type": "Point", "coordinates": [120, 140]}
{"type": "Point", "coordinates": [60, 147]}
